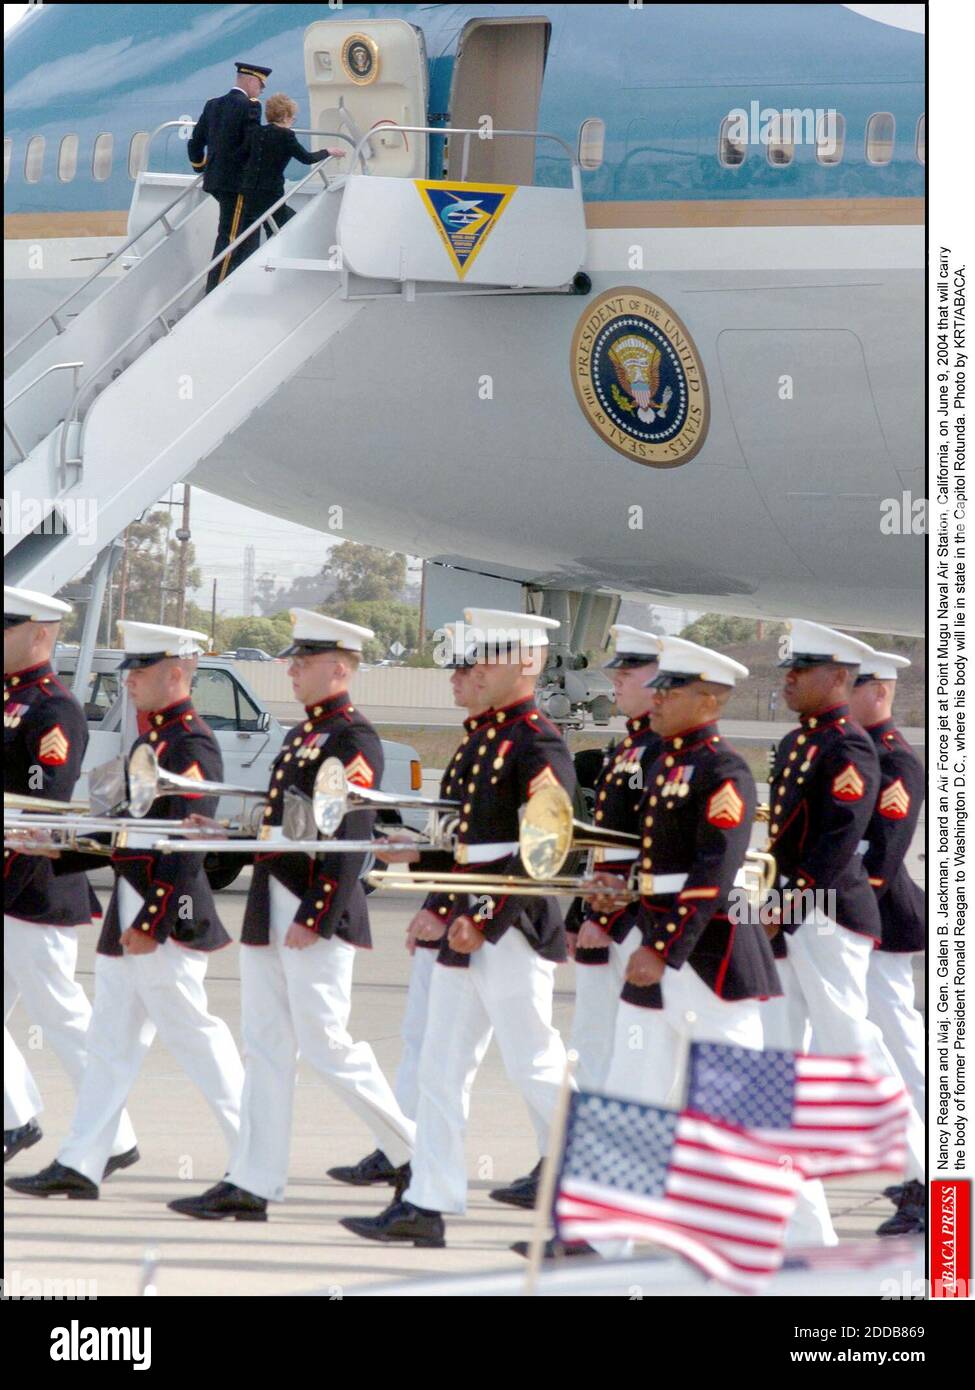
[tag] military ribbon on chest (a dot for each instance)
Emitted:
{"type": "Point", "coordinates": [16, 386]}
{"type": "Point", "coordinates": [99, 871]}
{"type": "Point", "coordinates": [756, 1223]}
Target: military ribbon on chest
{"type": "Point", "coordinates": [13, 714]}
{"type": "Point", "coordinates": [312, 747]}
{"type": "Point", "coordinates": [677, 781]}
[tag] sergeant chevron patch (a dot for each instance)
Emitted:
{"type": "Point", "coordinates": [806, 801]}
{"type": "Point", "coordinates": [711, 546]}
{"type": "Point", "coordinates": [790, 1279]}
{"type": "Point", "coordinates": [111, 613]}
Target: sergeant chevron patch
{"type": "Point", "coordinates": [359, 772]}
{"type": "Point", "coordinates": [848, 785]}
{"type": "Point", "coordinates": [895, 801]}
{"type": "Point", "coordinates": [54, 747]}
{"type": "Point", "coordinates": [545, 778]}
{"type": "Point", "coordinates": [726, 808]}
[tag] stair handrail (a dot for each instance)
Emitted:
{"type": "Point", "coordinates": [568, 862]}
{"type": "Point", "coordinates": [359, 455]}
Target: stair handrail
{"type": "Point", "coordinates": [52, 316]}
{"type": "Point", "coordinates": [54, 367]}
{"type": "Point", "coordinates": [467, 132]}
{"type": "Point", "coordinates": [108, 263]}
{"type": "Point", "coordinates": [72, 416]}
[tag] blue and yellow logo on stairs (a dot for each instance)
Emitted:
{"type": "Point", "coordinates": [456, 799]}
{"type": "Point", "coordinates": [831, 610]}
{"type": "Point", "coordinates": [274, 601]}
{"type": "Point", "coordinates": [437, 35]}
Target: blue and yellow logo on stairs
{"type": "Point", "coordinates": [464, 214]}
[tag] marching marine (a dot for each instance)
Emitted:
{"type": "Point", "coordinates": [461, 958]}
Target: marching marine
{"type": "Point", "coordinates": [423, 937]}
{"type": "Point", "coordinates": [305, 917]}
{"type": "Point", "coordinates": [496, 966]}
{"type": "Point", "coordinates": [160, 928]}
{"type": "Point", "coordinates": [700, 970]}
{"type": "Point", "coordinates": [44, 740]}
{"type": "Point", "coordinates": [824, 788]}
{"type": "Point", "coordinates": [890, 978]}
{"type": "Point", "coordinates": [606, 939]}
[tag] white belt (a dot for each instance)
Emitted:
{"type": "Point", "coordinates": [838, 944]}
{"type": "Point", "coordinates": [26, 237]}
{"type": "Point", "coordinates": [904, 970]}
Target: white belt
{"type": "Point", "coordinates": [612, 856]}
{"type": "Point", "coordinates": [673, 883]}
{"type": "Point", "coordinates": [863, 846]}
{"type": "Point", "coordinates": [484, 854]}
{"type": "Point", "coordinates": [668, 883]}
{"type": "Point", "coordinates": [272, 833]}
{"type": "Point", "coordinates": [144, 841]}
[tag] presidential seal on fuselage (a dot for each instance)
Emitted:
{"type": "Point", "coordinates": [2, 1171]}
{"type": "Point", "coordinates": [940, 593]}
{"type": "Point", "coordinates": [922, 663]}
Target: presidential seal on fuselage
{"type": "Point", "coordinates": [638, 378]}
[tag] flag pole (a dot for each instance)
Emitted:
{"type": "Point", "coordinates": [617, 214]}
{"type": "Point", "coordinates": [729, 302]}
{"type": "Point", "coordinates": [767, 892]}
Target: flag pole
{"type": "Point", "coordinates": [550, 1166]}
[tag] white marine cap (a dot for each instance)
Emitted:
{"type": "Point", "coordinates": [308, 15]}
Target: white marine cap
{"type": "Point", "coordinates": [494, 630]}
{"type": "Point", "coordinates": [811, 644]}
{"type": "Point", "coordinates": [317, 632]}
{"type": "Point", "coordinates": [633, 647]}
{"type": "Point", "coordinates": [682, 662]}
{"type": "Point", "coordinates": [146, 643]}
{"type": "Point", "coordinates": [881, 666]}
{"type": "Point", "coordinates": [26, 606]}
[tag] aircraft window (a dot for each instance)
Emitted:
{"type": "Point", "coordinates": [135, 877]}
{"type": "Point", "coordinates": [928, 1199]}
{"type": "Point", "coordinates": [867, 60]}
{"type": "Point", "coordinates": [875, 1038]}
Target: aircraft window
{"type": "Point", "coordinates": [68, 158]}
{"type": "Point", "coordinates": [138, 148]}
{"type": "Point", "coordinates": [101, 158]}
{"type": "Point", "coordinates": [731, 147]}
{"type": "Point", "coordinates": [8, 149]}
{"type": "Point", "coordinates": [830, 136]}
{"type": "Point", "coordinates": [781, 140]}
{"type": "Point", "coordinates": [592, 139]}
{"type": "Point", "coordinates": [921, 140]}
{"type": "Point", "coordinates": [880, 138]}
{"type": "Point", "coordinates": [34, 159]}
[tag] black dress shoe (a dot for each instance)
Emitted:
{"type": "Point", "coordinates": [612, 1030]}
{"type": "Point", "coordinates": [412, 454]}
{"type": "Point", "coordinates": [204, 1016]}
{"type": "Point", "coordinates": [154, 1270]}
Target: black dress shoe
{"type": "Point", "coordinates": [894, 1192]}
{"type": "Point", "coordinates": [56, 1181]}
{"type": "Point", "coordinates": [554, 1249]}
{"type": "Point", "coordinates": [910, 1218]}
{"type": "Point", "coordinates": [24, 1137]}
{"type": "Point", "coordinates": [224, 1199]}
{"type": "Point", "coordinates": [119, 1161]}
{"type": "Point", "coordinates": [400, 1222]}
{"type": "Point", "coordinates": [374, 1168]}
{"type": "Point", "coordinates": [523, 1192]}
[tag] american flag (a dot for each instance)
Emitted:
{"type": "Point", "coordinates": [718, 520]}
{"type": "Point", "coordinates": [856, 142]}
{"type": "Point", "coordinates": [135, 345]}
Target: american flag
{"type": "Point", "coordinates": [691, 1184]}
{"type": "Point", "coordinates": [831, 1115]}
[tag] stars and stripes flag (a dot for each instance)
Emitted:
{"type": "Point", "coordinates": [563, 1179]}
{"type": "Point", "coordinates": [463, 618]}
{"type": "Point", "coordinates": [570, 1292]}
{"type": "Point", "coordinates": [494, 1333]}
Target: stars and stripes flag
{"type": "Point", "coordinates": [696, 1186]}
{"type": "Point", "coordinates": [830, 1115]}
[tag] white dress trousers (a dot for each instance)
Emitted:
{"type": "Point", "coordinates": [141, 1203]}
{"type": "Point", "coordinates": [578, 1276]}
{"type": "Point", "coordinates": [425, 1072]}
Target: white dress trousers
{"type": "Point", "coordinates": [652, 1046]}
{"type": "Point", "coordinates": [406, 1085]}
{"type": "Point", "coordinates": [137, 997]}
{"type": "Point", "coordinates": [785, 1021]}
{"type": "Point", "coordinates": [598, 989]}
{"type": "Point", "coordinates": [831, 965]}
{"type": "Point", "coordinates": [506, 989]}
{"type": "Point", "coordinates": [39, 967]}
{"type": "Point", "coordinates": [299, 1001]}
{"type": "Point", "coordinates": [890, 1004]}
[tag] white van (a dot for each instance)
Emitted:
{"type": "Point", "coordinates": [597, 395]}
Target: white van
{"type": "Point", "coordinates": [249, 736]}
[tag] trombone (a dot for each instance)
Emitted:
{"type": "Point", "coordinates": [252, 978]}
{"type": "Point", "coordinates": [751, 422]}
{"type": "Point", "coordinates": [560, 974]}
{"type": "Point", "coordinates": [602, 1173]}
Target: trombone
{"type": "Point", "coordinates": [306, 819]}
{"type": "Point", "coordinates": [548, 834]}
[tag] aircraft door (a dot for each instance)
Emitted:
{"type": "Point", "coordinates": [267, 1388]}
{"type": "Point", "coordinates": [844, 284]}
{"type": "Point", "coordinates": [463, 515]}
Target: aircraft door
{"type": "Point", "coordinates": [498, 72]}
{"type": "Point", "coordinates": [363, 75]}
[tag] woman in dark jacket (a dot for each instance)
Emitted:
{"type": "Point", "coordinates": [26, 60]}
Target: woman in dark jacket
{"type": "Point", "coordinates": [270, 149]}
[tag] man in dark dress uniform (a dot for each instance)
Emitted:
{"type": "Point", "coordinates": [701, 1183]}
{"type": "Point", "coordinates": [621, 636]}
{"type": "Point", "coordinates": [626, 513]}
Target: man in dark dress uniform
{"type": "Point", "coordinates": [699, 972]}
{"type": "Point", "coordinates": [423, 936]}
{"type": "Point", "coordinates": [823, 790]}
{"type": "Point", "coordinates": [160, 928]}
{"type": "Point", "coordinates": [605, 939]}
{"type": "Point", "coordinates": [890, 978]}
{"type": "Point", "coordinates": [304, 920]}
{"type": "Point", "coordinates": [218, 146]}
{"type": "Point", "coordinates": [496, 965]}
{"type": "Point", "coordinates": [44, 741]}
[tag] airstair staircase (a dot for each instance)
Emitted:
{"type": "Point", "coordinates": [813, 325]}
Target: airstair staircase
{"type": "Point", "coordinates": [125, 398]}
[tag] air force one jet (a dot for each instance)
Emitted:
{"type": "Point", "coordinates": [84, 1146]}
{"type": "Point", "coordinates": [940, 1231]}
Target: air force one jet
{"type": "Point", "coordinates": [668, 343]}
